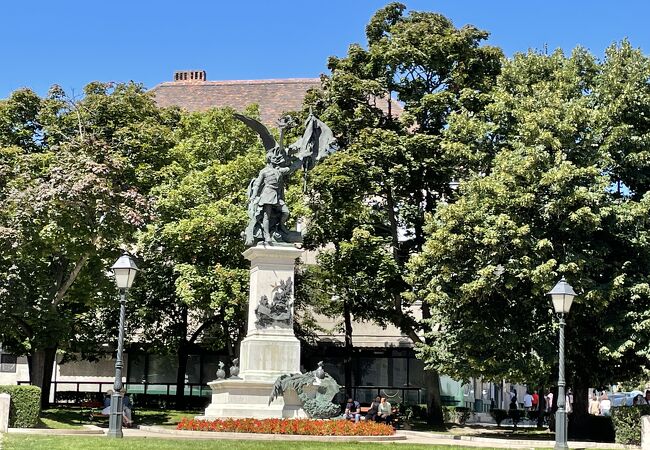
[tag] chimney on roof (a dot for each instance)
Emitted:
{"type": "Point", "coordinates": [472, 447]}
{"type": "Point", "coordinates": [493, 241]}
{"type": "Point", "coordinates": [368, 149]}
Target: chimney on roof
{"type": "Point", "coordinates": [190, 75]}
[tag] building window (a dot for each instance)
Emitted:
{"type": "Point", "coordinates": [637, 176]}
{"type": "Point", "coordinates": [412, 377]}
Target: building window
{"type": "Point", "coordinates": [8, 363]}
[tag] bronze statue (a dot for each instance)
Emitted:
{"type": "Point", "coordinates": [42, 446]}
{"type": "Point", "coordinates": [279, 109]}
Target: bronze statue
{"type": "Point", "coordinates": [267, 210]}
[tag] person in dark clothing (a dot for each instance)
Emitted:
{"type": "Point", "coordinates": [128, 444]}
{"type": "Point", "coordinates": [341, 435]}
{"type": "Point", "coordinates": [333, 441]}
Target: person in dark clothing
{"type": "Point", "coordinates": [514, 412]}
{"type": "Point", "coordinates": [373, 412]}
{"type": "Point", "coordinates": [352, 410]}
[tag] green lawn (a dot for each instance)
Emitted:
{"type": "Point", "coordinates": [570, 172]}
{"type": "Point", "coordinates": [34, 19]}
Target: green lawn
{"type": "Point", "coordinates": [72, 418]}
{"type": "Point", "coordinates": [24, 442]}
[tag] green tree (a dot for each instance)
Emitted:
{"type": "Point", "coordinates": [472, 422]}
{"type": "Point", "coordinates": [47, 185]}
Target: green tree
{"type": "Point", "coordinates": [74, 175]}
{"type": "Point", "coordinates": [194, 287]}
{"type": "Point", "coordinates": [392, 171]}
{"type": "Point", "coordinates": [549, 205]}
{"type": "Point", "coordinates": [345, 283]}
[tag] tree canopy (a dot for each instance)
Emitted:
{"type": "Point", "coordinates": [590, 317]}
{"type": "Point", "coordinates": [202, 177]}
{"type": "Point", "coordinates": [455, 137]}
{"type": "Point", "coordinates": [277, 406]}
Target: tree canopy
{"type": "Point", "coordinates": [563, 196]}
{"type": "Point", "coordinates": [74, 179]}
{"type": "Point", "coordinates": [389, 105]}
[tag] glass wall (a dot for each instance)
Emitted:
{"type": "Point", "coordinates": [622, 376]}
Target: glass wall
{"type": "Point", "coordinates": [159, 370]}
{"type": "Point", "coordinates": [392, 372]}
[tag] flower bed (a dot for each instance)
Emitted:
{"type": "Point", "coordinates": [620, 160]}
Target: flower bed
{"type": "Point", "coordinates": [289, 426]}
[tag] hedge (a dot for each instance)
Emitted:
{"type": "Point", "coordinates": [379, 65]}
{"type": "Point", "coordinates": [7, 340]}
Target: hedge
{"type": "Point", "coordinates": [25, 405]}
{"type": "Point", "coordinates": [456, 414]}
{"type": "Point", "coordinates": [627, 423]}
{"type": "Point", "coordinates": [585, 427]}
{"type": "Point", "coordinates": [499, 415]}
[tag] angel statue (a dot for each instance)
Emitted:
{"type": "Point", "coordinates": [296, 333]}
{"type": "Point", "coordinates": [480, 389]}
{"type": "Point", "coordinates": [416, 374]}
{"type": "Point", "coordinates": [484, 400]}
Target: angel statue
{"type": "Point", "coordinates": [267, 210]}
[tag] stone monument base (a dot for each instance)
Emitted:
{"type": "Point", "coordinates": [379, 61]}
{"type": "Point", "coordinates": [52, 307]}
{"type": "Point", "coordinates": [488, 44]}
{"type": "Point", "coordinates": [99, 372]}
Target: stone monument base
{"type": "Point", "coordinates": [264, 357]}
{"type": "Point", "coordinates": [250, 399]}
{"type": "Point", "coordinates": [270, 348]}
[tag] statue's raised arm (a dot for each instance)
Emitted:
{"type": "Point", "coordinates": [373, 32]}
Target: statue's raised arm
{"type": "Point", "coordinates": [267, 210]}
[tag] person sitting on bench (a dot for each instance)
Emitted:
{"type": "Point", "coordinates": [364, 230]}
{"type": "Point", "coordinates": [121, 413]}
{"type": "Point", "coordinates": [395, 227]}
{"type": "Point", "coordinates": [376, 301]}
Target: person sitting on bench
{"type": "Point", "coordinates": [384, 412]}
{"type": "Point", "coordinates": [127, 407]}
{"type": "Point", "coordinates": [374, 409]}
{"type": "Point", "coordinates": [352, 410]}
{"type": "Point", "coordinates": [107, 403]}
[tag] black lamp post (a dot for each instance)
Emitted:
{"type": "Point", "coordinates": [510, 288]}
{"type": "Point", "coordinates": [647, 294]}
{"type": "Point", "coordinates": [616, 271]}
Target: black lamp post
{"type": "Point", "coordinates": [124, 270]}
{"type": "Point", "coordinates": [562, 296]}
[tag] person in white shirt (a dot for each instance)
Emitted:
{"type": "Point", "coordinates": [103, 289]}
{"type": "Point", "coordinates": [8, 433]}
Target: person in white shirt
{"type": "Point", "coordinates": [384, 412]}
{"type": "Point", "coordinates": [594, 405]}
{"type": "Point", "coordinates": [528, 401]}
{"type": "Point", "coordinates": [605, 405]}
{"type": "Point", "coordinates": [549, 402]}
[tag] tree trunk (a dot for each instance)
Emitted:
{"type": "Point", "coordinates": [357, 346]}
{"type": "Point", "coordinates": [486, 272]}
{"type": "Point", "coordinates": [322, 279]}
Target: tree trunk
{"type": "Point", "coordinates": [41, 365]}
{"type": "Point", "coordinates": [580, 400]}
{"type": "Point", "coordinates": [435, 417]}
{"type": "Point", "coordinates": [541, 406]}
{"type": "Point", "coordinates": [183, 351]}
{"type": "Point", "coordinates": [180, 375]}
{"type": "Point", "coordinates": [349, 348]}
{"type": "Point", "coordinates": [434, 404]}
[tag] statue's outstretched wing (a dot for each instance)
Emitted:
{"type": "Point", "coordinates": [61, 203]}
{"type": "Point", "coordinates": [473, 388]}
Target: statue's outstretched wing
{"type": "Point", "coordinates": [268, 140]}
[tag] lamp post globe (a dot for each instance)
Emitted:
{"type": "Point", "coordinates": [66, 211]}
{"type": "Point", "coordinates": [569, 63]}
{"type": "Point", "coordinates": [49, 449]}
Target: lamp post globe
{"type": "Point", "coordinates": [124, 271]}
{"type": "Point", "coordinates": [562, 296]}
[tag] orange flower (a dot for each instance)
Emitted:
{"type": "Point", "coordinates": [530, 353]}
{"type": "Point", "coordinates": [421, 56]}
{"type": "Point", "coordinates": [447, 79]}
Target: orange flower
{"type": "Point", "coordinates": [289, 426]}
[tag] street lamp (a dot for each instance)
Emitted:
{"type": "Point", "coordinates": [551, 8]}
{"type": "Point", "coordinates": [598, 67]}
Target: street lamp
{"type": "Point", "coordinates": [562, 296]}
{"type": "Point", "coordinates": [124, 271]}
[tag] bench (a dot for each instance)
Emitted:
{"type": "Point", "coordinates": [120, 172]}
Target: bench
{"type": "Point", "coordinates": [396, 422]}
{"type": "Point", "coordinates": [92, 411]}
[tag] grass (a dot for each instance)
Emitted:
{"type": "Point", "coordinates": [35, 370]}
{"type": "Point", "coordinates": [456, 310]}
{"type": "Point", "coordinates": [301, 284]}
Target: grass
{"type": "Point", "coordinates": [69, 418]}
{"type": "Point", "coordinates": [33, 442]}
{"type": "Point", "coordinates": [60, 418]}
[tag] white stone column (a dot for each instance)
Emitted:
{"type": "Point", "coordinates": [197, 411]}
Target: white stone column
{"type": "Point", "coordinates": [645, 432]}
{"type": "Point", "coordinates": [5, 401]}
{"type": "Point", "coordinates": [268, 352]}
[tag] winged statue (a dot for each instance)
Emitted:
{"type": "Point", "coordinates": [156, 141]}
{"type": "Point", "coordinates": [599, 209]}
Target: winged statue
{"type": "Point", "coordinates": [267, 209]}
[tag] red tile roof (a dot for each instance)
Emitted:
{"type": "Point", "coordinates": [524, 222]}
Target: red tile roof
{"type": "Point", "coordinates": [274, 97]}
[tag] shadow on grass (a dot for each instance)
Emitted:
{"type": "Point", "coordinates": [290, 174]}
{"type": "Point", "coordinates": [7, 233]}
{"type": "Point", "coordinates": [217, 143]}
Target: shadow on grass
{"type": "Point", "coordinates": [503, 432]}
{"type": "Point", "coordinates": [67, 417]}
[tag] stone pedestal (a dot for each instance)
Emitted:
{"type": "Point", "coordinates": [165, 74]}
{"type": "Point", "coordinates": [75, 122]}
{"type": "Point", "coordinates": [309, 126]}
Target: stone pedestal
{"type": "Point", "coordinates": [245, 398]}
{"type": "Point", "coordinates": [270, 348]}
{"type": "Point", "coordinates": [645, 432]}
{"type": "Point", "coordinates": [5, 401]}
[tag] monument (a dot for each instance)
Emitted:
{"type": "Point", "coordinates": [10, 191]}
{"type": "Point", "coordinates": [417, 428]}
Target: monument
{"type": "Point", "coordinates": [270, 351]}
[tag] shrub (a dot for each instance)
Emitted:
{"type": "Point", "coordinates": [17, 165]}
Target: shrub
{"type": "Point", "coordinates": [462, 414]}
{"type": "Point", "coordinates": [532, 415]}
{"type": "Point", "coordinates": [25, 405]}
{"type": "Point", "coordinates": [627, 423]}
{"type": "Point", "coordinates": [515, 416]}
{"type": "Point", "coordinates": [592, 428]}
{"type": "Point", "coordinates": [289, 426]}
{"type": "Point", "coordinates": [448, 414]}
{"type": "Point", "coordinates": [499, 415]}
{"type": "Point", "coordinates": [420, 412]}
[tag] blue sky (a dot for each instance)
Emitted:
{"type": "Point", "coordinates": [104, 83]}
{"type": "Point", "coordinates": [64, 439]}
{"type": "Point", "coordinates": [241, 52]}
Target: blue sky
{"type": "Point", "coordinates": [71, 43]}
